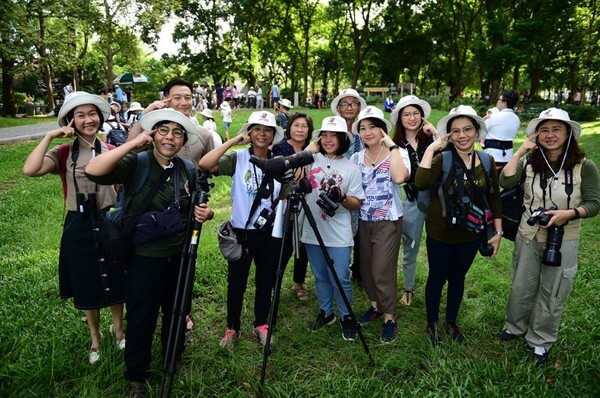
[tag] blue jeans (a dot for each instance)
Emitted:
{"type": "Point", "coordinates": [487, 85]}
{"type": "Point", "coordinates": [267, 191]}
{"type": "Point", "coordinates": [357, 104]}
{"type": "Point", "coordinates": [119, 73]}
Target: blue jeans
{"type": "Point", "coordinates": [326, 286]}
{"type": "Point", "coordinates": [412, 229]}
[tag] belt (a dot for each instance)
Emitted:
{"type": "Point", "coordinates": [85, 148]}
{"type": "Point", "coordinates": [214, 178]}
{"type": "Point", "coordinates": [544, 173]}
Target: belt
{"type": "Point", "coordinates": [497, 144]}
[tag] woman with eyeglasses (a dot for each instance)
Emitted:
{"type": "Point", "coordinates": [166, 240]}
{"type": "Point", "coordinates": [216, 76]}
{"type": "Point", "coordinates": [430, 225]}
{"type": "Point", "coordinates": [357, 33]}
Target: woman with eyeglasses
{"type": "Point", "coordinates": [298, 132]}
{"type": "Point", "coordinates": [561, 187]}
{"type": "Point", "coordinates": [459, 220]}
{"type": "Point", "coordinates": [413, 133]}
{"type": "Point", "coordinates": [153, 269]}
{"type": "Point", "coordinates": [254, 197]}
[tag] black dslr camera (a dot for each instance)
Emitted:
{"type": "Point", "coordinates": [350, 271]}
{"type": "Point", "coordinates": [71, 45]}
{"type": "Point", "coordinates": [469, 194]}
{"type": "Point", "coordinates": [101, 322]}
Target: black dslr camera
{"type": "Point", "coordinates": [457, 212]}
{"type": "Point", "coordinates": [552, 255]}
{"type": "Point", "coordinates": [539, 215]}
{"type": "Point", "coordinates": [85, 206]}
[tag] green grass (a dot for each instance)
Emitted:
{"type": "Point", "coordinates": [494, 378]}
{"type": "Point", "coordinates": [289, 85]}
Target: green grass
{"type": "Point", "coordinates": [43, 344]}
{"type": "Point", "coordinates": [25, 121]}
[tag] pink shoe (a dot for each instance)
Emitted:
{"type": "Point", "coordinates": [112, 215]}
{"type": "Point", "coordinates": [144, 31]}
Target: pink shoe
{"type": "Point", "coordinates": [260, 332]}
{"type": "Point", "coordinates": [231, 337]}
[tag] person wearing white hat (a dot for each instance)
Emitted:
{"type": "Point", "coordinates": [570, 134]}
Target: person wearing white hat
{"type": "Point", "coordinates": [560, 178]}
{"type": "Point", "coordinates": [414, 133]}
{"type": "Point", "coordinates": [83, 273]}
{"type": "Point", "coordinates": [283, 112]}
{"type": "Point", "coordinates": [178, 96]}
{"type": "Point", "coordinates": [253, 193]}
{"type": "Point", "coordinates": [251, 98]}
{"type": "Point", "coordinates": [452, 243]}
{"type": "Point", "coordinates": [335, 176]}
{"type": "Point", "coordinates": [384, 166]}
{"type": "Point", "coordinates": [227, 116]}
{"type": "Point", "coordinates": [348, 104]}
{"type": "Point", "coordinates": [153, 269]}
{"type": "Point", "coordinates": [210, 125]}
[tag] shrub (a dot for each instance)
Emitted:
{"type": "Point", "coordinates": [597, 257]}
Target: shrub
{"type": "Point", "coordinates": [583, 113]}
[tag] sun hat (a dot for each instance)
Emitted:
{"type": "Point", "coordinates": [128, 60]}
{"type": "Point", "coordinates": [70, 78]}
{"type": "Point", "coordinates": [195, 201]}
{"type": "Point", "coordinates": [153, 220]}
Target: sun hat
{"type": "Point", "coordinates": [349, 92]}
{"type": "Point", "coordinates": [335, 124]}
{"type": "Point", "coordinates": [554, 114]}
{"type": "Point", "coordinates": [406, 101]}
{"type": "Point", "coordinates": [493, 109]}
{"type": "Point", "coordinates": [264, 118]}
{"type": "Point", "coordinates": [207, 113]}
{"type": "Point", "coordinates": [370, 112]}
{"type": "Point", "coordinates": [286, 103]}
{"type": "Point", "coordinates": [462, 110]}
{"type": "Point", "coordinates": [171, 115]}
{"type": "Point", "coordinates": [78, 98]}
{"type": "Point", "coordinates": [224, 105]}
{"type": "Point", "coordinates": [136, 106]}
{"type": "Point", "coordinates": [116, 103]}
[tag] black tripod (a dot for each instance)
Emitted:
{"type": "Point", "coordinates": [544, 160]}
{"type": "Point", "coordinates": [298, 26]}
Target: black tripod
{"type": "Point", "coordinates": [294, 199]}
{"type": "Point", "coordinates": [185, 282]}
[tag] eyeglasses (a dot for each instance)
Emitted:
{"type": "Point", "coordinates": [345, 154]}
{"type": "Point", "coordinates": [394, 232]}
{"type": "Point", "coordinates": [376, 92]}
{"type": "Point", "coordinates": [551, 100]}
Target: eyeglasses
{"type": "Point", "coordinates": [468, 130]}
{"type": "Point", "coordinates": [501, 99]}
{"type": "Point", "coordinates": [300, 126]}
{"type": "Point", "coordinates": [346, 105]}
{"type": "Point", "coordinates": [415, 114]}
{"type": "Point", "coordinates": [164, 130]}
{"type": "Point", "coordinates": [555, 130]}
{"type": "Point", "coordinates": [263, 129]}
{"type": "Point", "coordinates": [187, 98]}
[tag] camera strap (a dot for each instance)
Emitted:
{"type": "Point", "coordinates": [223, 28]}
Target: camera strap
{"type": "Point", "coordinates": [568, 186]}
{"type": "Point", "coordinates": [75, 155]}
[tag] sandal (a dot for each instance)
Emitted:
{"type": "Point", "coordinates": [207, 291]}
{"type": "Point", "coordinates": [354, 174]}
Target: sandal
{"type": "Point", "coordinates": [189, 323]}
{"type": "Point", "coordinates": [301, 293]}
{"type": "Point", "coordinates": [407, 297]}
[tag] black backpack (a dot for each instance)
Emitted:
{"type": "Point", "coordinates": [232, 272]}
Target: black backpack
{"type": "Point", "coordinates": [116, 135]}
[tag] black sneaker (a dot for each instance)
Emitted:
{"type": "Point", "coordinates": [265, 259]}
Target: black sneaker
{"type": "Point", "coordinates": [432, 334]}
{"type": "Point", "coordinates": [348, 328]}
{"type": "Point", "coordinates": [506, 336]}
{"type": "Point", "coordinates": [388, 334]}
{"type": "Point", "coordinates": [454, 332]}
{"type": "Point", "coordinates": [321, 321]}
{"type": "Point", "coordinates": [540, 355]}
{"type": "Point", "coordinates": [137, 389]}
{"type": "Point", "coordinates": [369, 316]}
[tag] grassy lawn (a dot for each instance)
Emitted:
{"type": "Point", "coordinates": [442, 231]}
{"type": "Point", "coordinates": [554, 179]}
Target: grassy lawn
{"type": "Point", "coordinates": [43, 344]}
{"type": "Point", "coordinates": [24, 121]}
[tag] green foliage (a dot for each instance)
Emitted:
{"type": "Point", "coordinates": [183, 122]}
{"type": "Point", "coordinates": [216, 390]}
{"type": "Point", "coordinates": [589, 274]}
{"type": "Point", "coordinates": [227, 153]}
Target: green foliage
{"type": "Point", "coordinates": [582, 113]}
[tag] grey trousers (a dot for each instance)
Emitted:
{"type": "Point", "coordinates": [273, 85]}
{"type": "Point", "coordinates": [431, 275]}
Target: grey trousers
{"type": "Point", "coordinates": [412, 229]}
{"type": "Point", "coordinates": [539, 292]}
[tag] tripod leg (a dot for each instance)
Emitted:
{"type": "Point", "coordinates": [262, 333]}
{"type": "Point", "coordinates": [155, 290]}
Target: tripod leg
{"type": "Point", "coordinates": [329, 261]}
{"type": "Point", "coordinates": [276, 294]}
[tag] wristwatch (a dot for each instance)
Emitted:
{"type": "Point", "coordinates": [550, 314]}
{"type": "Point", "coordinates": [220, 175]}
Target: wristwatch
{"type": "Point", "coordinates": [499, 233]}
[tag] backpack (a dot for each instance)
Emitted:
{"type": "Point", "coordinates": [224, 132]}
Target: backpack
{"type": "Point", "coordinates": [116, 135]}
{"type": "Point", "coordinates": [425, 197]}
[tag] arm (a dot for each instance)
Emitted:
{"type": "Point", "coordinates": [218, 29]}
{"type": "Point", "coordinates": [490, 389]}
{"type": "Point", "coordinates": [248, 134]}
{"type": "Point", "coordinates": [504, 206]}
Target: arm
{"type": "Point", "coordinates": [528, 145]}
{"type": "Point", "coordinates": [399, 171]}
{"type": "Point", "coordinates": [137, 127]}
{"type": "Point", "coordinates": [37, 164]}
{"type": "Point", "coordinates": [106, 162]}
{"type": "Point", "coordinates": [210, 161]}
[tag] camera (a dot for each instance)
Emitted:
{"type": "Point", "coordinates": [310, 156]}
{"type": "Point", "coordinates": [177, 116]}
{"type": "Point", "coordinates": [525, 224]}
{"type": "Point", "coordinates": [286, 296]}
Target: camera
{"type": "Point", "coordinates": [539, 216]}
{"type": "Point", "coordinates": [458, 212]}
{"type": "Point", "coordinates": [265, 219]}
{"type": "Point", "coordinates": [485, 249]}
{"type": "Point", "coordinates": [278, 166]}
{"type": "Point", "coordinates": [328, 206]}
{"type": "Point", "coordinates": [552, 255]}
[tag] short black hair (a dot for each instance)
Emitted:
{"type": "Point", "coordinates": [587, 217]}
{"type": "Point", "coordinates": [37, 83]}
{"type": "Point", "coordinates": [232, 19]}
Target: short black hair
{"type": "Point", "coordinates": [176, 82]}
{"type": "Point", "coordinates": [309, 122]}
{"type": "Point", "coordinates": [511, 98]}
{"type": "Point", "coordinates": [342, 139]}
{"type": "Point", "coordinates": [449, 124]}
{"type": "Point", "coordinates": [160, 123]}
{"type": "Point", "coordinates": [377, 122]}
{"type": "Point", "coordinates": [71, 115]}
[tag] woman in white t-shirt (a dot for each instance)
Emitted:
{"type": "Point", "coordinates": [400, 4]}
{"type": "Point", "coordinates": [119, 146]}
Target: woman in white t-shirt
{"type": "Point", "coordinates": [211, 126]}
{"type": "Point", "coordinates": [339, 180]}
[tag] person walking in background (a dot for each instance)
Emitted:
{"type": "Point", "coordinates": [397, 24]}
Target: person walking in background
{"type": "Point", "coordinates": [414, 134]}
{"type": "Point", "coordinates": [83, 272]}
{"type": "Point", "coordinates": [227, 118]}
{"type": "Point", "coordinates": [259, 97]}
{"type": "Point", "coordinates": [383, 166]}
{"type": "Point", "coordinates": [210, 125]}
{"type": "Point", "coordinates": [452, 243]}
{"type": "Point", "coordinates": [219, 94]}
{"type": "Point", "coordinates": [297, 137]}
{"type": "Point", "coordinates": [275, 94]}
{"type": "Point", "coordinates": [154, 267]}
{"type": "Point", "coordinates": [251, 98]}
{"type": "Point", "coordinates": [502, 128]}
{"type": "Point", "coordinates": [323, 98]}
{"type": "Point", "coordinates": [283, 113]}
{"type": "Point", "coordinates": [257, 241]}
{"type": "Point", "coordinates": [68, 89]}
{"type": "Point", "coordinates": [119, 94]}
{"type": "Point", "coordinates": [335, 176]}
{"type": "Point", "coordinates": [388, 104]}
{"type": "Point", "coordinates": [561, 187]}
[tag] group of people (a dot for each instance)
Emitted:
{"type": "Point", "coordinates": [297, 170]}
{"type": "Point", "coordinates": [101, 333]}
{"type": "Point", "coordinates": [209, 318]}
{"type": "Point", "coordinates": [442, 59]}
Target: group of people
{"type": "Point", "coordinates": [363, 190]}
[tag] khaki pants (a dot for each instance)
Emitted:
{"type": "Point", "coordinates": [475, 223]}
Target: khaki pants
{"type": "Point", "coordinates": [539, 292]}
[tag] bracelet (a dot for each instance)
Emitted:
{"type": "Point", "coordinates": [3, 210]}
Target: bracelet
{"type": "Point", "coordinates": [391, 148]}
{"type": "Point", "coordinates": [577, 214]}
{"type": "Point", "coordinates": [499, 233]}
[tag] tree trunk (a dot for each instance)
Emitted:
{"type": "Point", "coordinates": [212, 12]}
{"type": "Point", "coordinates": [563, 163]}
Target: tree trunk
{"type": "Point", "coordinates": [8, 91]}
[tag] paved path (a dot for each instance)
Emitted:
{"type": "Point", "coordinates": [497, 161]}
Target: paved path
{"type": "Point", "coordinates": [31, 132]}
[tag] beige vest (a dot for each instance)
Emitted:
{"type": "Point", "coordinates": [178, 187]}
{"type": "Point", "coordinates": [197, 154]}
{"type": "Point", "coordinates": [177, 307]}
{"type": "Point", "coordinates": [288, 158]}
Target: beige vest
{"type": "Point", "coordinates": [557, 196]}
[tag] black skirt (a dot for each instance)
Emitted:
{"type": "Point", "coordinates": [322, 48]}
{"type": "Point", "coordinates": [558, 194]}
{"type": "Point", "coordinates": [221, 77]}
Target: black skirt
{"type": "Point", "coordinates": [83, 272]}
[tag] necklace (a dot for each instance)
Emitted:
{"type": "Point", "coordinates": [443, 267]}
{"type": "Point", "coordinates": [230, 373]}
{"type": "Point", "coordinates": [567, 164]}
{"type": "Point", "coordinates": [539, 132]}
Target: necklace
{"type": "Point", "coordinates": [411, 141]}
{"type": "Point", "coordinates": [329, 160]}
{"type": "Point", "coordinates": [373, 161]}
{"type": "Point", "coordinates": [555, 184]}
{"type": "Point", "coordinates": [91, 145]}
